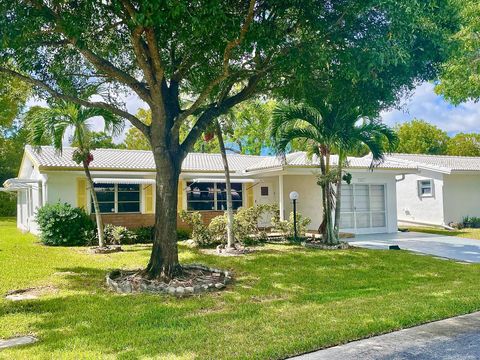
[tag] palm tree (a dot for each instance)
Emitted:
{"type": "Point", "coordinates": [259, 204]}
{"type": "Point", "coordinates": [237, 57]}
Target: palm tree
{"type": "Point", "coordinates": [358, 132]}
{"type": "Point", "coordinates": [327, 129]}
{"type": "Point", "coordinates": [52, 123]}
{"type": "Point", "coordinates": [228, 187]}
{"type": "Point", "coordinates": [303, 122]}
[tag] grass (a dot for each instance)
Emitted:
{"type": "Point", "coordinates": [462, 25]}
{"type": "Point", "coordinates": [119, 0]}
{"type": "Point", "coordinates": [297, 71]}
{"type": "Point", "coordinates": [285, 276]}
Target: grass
{"type": "Point", "coordinates": [286, 300]}
{"type": "Point", "coordinates": [464, 233]}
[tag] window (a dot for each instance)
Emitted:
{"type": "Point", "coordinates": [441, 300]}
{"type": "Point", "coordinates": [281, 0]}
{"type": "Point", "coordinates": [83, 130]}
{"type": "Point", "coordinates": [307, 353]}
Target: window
{"type": "Point", "coordinates": [212, 196]}
{"type": "Point", "coordinates": [118, 198]}
{"type": "Point", "coordinates": [425, 188]}
{"type": "Point", "coordinates": [264, 190]}
{"type": "Point", "coordinates": [128, 198]}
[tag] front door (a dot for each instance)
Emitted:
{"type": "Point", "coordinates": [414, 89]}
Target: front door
{"type": "Point", "coordinates": [363, 208]}
{"type": "Point", "coordinates": [264, 195]}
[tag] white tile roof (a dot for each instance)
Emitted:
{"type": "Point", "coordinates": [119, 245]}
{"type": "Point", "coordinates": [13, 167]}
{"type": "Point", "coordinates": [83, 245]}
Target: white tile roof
{"type": "Point", "coordinates": [142, 160]}
{"type": "Point", "coordinates": [300, 158]}
{"type": "Point", "coordinates": [440, 162]}
{"type": "Point", "coordinates": [48, 157]}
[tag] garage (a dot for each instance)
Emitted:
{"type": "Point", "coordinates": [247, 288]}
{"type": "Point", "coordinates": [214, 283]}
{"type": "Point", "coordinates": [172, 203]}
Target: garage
{"type": "Point", "coordinates": [363, 208]}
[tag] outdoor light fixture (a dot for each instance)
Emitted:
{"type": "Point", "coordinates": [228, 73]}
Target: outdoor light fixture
{"type": "Point", "coordinates": [294, 197]}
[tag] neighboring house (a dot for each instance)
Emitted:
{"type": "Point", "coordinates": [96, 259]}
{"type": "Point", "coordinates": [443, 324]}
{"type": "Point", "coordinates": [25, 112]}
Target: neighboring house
{"type": "Point", "coordinates": [444, 191]}
{"type": "Point", "coordinates": [125, 184]}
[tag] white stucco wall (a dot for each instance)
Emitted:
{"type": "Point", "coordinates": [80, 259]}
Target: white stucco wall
{"type": "Point", "coordinates": [309, 203]}
{"type": "Point", "coordinates": [310, 197]}
{"type": "Point", "coordinates": [412, 207]}
{"type": "Point", "coordinates": [62, 187]}
{"type": "Point", "coordinates": [461, 196]}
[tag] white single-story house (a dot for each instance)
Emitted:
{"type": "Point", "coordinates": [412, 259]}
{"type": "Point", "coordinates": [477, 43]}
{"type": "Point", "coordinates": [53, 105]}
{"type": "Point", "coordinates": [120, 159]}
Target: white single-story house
{"type": "Point", "coordinates": [444, 190]}
{"type": "Point", "coordinates": [124, 181]}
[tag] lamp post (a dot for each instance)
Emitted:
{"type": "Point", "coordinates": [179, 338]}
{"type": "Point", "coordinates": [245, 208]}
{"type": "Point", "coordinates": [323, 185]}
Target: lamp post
{"type": "Point", "coordinates": [294, 197]}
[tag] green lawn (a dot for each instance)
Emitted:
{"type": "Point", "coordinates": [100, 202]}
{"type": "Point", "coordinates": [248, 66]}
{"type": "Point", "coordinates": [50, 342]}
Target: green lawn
{"type": "Point", "coordinates": [464, 233]}
{"type": "Point", "coordinates": [286, 300]}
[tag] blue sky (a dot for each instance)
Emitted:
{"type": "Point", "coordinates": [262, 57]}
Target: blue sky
{"type": "Point", "coordinates": [424, 104]}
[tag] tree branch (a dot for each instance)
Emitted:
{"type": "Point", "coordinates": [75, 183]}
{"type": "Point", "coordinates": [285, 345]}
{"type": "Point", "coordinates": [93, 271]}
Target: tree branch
{"type": "Point", "coordinates": [215, 110]}
{"type": "Point", "coordinates": [226, 61]}
{"type": "Point", "coordinates": [91, 104]}
{"type": "Point", "coordinates": [97, 61]}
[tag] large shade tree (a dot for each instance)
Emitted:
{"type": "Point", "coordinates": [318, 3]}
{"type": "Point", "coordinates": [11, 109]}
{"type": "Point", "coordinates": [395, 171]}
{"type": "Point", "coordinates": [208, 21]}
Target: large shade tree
{"type": "Point", "coordinates": [219, 53]}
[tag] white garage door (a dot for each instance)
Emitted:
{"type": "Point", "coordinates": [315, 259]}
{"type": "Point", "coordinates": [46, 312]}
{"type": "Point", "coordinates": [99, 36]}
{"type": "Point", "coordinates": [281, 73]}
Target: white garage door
{"type": "Point", "coordinates": [363, 208]}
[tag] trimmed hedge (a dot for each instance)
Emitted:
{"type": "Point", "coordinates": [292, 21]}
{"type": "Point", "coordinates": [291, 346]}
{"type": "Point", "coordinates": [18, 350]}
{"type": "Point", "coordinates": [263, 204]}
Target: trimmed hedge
{"type": "Point", "coordinates": [64, 225]}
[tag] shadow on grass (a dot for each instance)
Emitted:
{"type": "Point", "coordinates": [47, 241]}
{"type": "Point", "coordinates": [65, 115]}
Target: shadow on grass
{"type": "Point", "coordinates": [283, 302]}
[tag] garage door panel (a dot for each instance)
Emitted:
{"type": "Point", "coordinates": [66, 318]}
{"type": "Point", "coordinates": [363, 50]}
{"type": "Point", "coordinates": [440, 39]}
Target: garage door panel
{"type": "Point", "coordinates": [363, 207]}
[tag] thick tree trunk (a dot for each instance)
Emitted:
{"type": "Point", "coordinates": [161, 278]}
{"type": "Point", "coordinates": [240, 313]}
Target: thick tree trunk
{"type": "Point", "coordinates": [98, 216]}
{"type": "Point", "coordinates": [164, 257]}
{"type": "Point", "coordinates": [230, 236]}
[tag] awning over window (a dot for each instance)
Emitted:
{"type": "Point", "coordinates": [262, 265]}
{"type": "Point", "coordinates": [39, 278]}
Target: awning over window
{"type": "Point", "coordinates": [123, 181]}
{"type": "Point", "coordinates": [222, 180]}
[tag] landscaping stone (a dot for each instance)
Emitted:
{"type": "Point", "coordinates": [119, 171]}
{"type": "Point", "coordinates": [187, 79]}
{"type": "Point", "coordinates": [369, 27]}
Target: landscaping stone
{"type": "Point", "coordinates": [319, 245]}
{"type": "Point", "coordinates": [195, 279]}
{"type": "Point", "coordinates": [17, 341]}
{"type": "Point", "coordinates": [105, 250]}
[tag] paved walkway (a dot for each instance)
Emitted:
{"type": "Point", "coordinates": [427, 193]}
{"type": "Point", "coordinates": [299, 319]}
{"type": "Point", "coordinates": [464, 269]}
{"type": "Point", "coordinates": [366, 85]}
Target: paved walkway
{"type": "Point", "coordinates": [455, 338]}
{"type": "Point", "coordinates": [451, 247]}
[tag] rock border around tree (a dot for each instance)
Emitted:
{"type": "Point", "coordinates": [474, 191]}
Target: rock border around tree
{"type": "Point", "coordinates": [197, 279]}
{"type": "Point", "coordinates": [319, 245]}
{"type": "Point", "coordinates": [105, 250]}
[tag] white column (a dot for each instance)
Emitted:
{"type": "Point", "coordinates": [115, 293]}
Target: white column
{"type": "Point", "coordinates": [280, 197]}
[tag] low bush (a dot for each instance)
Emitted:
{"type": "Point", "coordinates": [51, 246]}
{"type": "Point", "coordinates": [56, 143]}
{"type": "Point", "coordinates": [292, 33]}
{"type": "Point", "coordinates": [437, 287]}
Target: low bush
{"type": "Point", "coordinates": [118, 235]}
{"type": "Point", "coordinates": [245, 226]}
{"type": "Point", "coordinates": [183, 234]}
{"type": "Point", "coordinates": [471, 222]}
{"type": "Point", "coordinates": [144, 234]}
{"type": "Point", "coordinates": [287, 228]}
{"type": "Point", "coordinates": [64, 225]}
{"type": "Point", "coordinates": [200, 233]}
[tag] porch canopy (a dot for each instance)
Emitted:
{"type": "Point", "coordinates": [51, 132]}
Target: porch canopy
{"type": "Point", "coordinates": [15, 184]}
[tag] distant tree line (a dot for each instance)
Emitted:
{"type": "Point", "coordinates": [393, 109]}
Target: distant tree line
{"type": "Point", "coordinates": [421, 137]}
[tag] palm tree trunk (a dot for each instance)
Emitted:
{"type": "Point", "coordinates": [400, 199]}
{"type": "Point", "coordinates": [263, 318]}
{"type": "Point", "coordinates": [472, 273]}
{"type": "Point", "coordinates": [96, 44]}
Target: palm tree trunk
{"type": "Point", "coordinates": [230, 237]}
{"type": "Point", "coordinates": [98, 216]}
{"type": "Point", "coordinates": [338, 197]}
{"type": "Point", "coordinates": [326, 227]}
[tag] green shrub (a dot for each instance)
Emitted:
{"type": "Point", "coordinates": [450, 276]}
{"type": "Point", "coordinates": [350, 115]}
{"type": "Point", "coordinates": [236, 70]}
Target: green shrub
{"type": "Point", "coordinates": [471, 222]}
{"type": "Point", "coordinates": [118, 235]}
{"type": "Point", "coordinates": [245, 226]}
{"type": "Point", "coordinates": [200, 233]}
{"type": "Point", "coordinates": [287, 228]}
{"type": "Point", "coordinates": [8, 204]}
{"type": "Point", "coordinates": [144, 234]}
{"type": "Point", "coordinates": [64, 225]}
{"type": "Point", "coordinates": [183, 234]}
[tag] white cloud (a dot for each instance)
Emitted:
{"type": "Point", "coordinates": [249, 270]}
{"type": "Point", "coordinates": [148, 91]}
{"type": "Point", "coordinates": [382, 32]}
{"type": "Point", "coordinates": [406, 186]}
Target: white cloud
{"type": "Point", "coordinates": [425, 104]}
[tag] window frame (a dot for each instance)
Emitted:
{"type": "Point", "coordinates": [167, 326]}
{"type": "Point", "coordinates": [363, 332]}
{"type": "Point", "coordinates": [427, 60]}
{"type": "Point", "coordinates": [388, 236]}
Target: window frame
{"type": "Point", "coordinates": [421, 187]}
{"type": "Point", "coordinates": [216, 201]}
{"type": "Point", "coordinates": [116, 201]}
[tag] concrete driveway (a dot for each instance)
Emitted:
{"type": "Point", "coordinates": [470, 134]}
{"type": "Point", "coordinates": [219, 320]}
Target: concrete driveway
{"type": "Point", "coordinates": [451, 247]}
